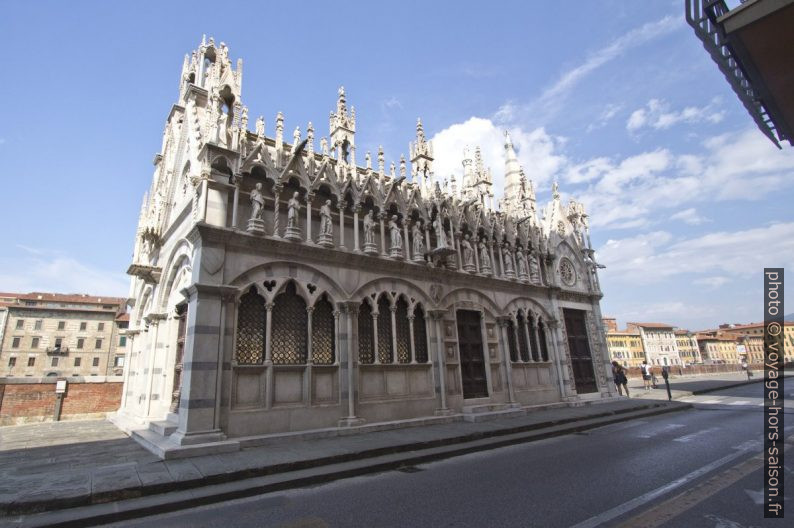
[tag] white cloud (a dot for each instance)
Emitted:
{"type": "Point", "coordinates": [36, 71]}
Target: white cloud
{"type": "Point", "coordinates": [689, 216]}
{"type": "Point", "coordinates": [51, 271]}
{"type": "Point", "coordinates": [537, 151]}
{"type": "Point", "coordinates": [657, 114]}
{"type": "Point", "coordinates": [392, 103]}
{"type": "Point", "coordinates": [610, 111]}
{"type": "Point", "coordinates": [712, 282]}
{"type": "Point", "coordinates": [551, 100]}
{"type": "Point", "coordinates": [653, 257]}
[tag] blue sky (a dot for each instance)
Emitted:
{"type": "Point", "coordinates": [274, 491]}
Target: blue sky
{"type": "Point", "coordinates": [616, 100]}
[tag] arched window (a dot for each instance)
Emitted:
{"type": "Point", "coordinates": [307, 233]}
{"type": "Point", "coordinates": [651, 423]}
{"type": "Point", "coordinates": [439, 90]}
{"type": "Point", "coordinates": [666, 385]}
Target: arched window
{"type": "Point", "coordinates": [403, 332]}
{"type": "Point", "coordinates": [289, 322]}
{"type": "Point", "coordinates": [511, 340]}
{"type": "Point", "coordinates": [366, 337]}
{"type": "Point", "coordinates": [250, 345]}
{"type": "Point", "coordinates": [544, 351]}
{"type": "Point", "coordinates": [323, 332]}
{"type": "Point", "coordinates": [385, 353]}
{"type": "Point", "coordinates": [523, 345]}
{"type": "Point", "coordinates": [533, 337]}
{"type": "Point", "coordinates": [420, 335]}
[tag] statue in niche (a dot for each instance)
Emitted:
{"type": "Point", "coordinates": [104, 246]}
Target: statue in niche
{"type": "Point", "coordinates": [396, 236]}
{"type": "Point", "coordinates": [534, 269]}
{"type": "Point", "coordinates": [521, 263]}
{"type": "Point", "coordinates": [260, 126]}
{"type": "Point", "coordinates": [485, 257]}
{"type": "Point", "coordinates": [507, 258]}
{"type": "Point", "coordinates": [419, 241]}
{"type": "Point", "coordinates": [222, 120]}
{"type": "Point", "coordinates": [326, 224]}
{"type": "Point", "coordinates": [296, 138]}
{"type": "Point", "coordinates": [468, 254]}
{"type": "Point", "coordinates": [293, 208]}
{"type": "Point", "coordinates": [369, 228]}
{"type": "Point", "coordinates": [257, 202]}
{"type": "Point", "coordinates": [441, 235]}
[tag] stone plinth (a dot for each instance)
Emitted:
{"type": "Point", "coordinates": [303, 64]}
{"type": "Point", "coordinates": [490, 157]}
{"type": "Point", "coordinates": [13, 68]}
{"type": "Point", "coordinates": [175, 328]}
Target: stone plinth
{"type": "Point", "coordinates": [293, 234]}
{"type": "Point", "coordinates": [370, 248]}
{"type": "Point", "coordinates": [326, 240]}
{"type": "Point", "coordinates": [256, 226]}
{"type": "Point", "coordinates": [396, 252]}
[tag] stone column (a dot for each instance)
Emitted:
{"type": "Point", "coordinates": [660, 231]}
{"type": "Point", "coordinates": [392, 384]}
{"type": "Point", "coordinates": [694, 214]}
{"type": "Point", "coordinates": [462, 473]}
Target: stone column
{"type": "Point", "coordinates": [501, 260]}
{"type": "Point", "coordinates": [407, 240]}
{"type": "Point", "coordinates": [309, 199]}
{"type": "Point", "coordinates": [439, 363]}
{"type": "Point", "coordinates": [197, 410]}
{"type": "Point", "coordinates": [518, 342]}
{"type": "Point", "coordinates": [356, 210]}
{"type": "Point", "coordinates": [428, 248]}
{"type": "Point", "coordinates": [535, 320]}
{"type": "Point", "coordinates": [456, 237]}
{"type": "Point", "coordinates": [154, 320]}
{"type": "Point", "coordinates": [529, 341]}
{"type": "Point", "coordinates": [493, 262]}
{"type": "Point", "coordinates": [376, 358]}
{"type": "Point", "coordinates": [268, 355]}
{"type": "Point", "coordinates": [276, 203]}
{"type": "Point", "coordinates": [393, 310]}
{"type": "Point", "coordinates": [552, 326]}
{"type": "Point", "coordinates": [236, 200]}
{"type": "Point", "coordinates": [411, 335]}
{"type": "Point", "coordinates": [307, 373]}
{"type": "Point", "coordinates": [342, 206]}
{"type": "Point", "coordinates": [505, 347]}
{"type": "Point", "coordinates": [348, 365]}
{"type": "Point", "coordinates": [476, 244]}
{"type": "Point", "coordinates": [381, 217]}
{"type": "Point", "coordinates": [127, 366]}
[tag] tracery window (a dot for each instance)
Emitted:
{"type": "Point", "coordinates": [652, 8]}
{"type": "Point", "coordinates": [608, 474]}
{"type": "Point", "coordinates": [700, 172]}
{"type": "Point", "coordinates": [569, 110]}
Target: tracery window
{"type": "Point", "coordinates": [289, 322]}
{"type": "Point", "coordinates": [533, 338]}
{"type": "Point", "coordinates": [250, 346]}
{"type": "Point", "coordinates": [420, 335]}
{"type": "Point", "coordinates": [403, 332]}
{"type": "Point", "coordinates": [323, 332]}
{"type": "Point", "coordinates": [385, 352]}
{"type": "Point", "coordinates": [366, 337]}
{"type": "Point", "coordinates": [523, 345]}
{"type": "Point", "coordinates": [511, 340]}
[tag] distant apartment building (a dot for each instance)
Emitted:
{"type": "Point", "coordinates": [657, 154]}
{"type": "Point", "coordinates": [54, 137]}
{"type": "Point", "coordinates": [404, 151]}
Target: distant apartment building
{"type": "Point", "coordinates": [50, 334]}
{"type": "Point", "coordinates": [624, 347]}
{"type": "Point", "coordinates": [658, 341]}
{"type": "Point", "coordinates": [719, 348]}
{"type": "Point", "coordinates": [751, 347]}
{"type": "Point", "coordinates": [757, 330]}
{"type": "Point", "coordinates": [687, 347]}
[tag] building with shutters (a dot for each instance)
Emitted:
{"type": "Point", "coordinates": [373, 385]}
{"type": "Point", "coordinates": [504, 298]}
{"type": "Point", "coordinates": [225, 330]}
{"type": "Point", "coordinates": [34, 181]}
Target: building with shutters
{"type": "Point", "coordinates": [281, 289]}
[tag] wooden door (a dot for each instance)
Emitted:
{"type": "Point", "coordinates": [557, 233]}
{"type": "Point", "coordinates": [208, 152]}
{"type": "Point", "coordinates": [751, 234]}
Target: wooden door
{"type": "Point", "coordinates": [579, 347]}
{"type": "Point", "coordinates": [472, 360]}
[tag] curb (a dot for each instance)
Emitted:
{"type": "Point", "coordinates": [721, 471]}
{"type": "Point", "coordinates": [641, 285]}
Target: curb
{"type": "Point", "coordinates": [739, 384]}
{"type": "Point", "coordinates": [563, 426]}
{"type": "Point", "coordinates": [92, 515]}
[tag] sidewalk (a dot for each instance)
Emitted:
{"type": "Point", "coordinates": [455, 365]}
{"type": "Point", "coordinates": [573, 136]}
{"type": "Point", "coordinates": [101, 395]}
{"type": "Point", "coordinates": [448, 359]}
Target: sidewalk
{"type": "Point", "coordinates": [683, 386]}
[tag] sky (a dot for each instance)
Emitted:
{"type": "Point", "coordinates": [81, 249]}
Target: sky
{"type": "Point", "coordinates": [617, 101]}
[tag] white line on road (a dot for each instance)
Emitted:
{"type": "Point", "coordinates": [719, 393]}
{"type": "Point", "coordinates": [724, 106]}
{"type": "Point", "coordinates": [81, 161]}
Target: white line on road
{"type": "Point", "coordinates": [665, 429]}
{"type": "Point", "coordinates": [691, 436]}
{"type": "Point", "coordinates": [740, 402]}
{"type": "Point", "coordinates": [617, 511]}
{"type": "Point", "coordinates": [710, 402]}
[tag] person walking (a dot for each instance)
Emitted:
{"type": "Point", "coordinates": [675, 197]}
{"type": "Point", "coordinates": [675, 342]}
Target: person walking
{"type": "Point", "coordinates": [646, 375]}
{"type": "Point", "coordinates": [621, 381]}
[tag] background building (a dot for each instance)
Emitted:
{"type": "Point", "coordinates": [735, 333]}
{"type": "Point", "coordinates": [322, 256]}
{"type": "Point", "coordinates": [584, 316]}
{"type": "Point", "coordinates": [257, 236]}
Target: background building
{"type": "Point", "coordinates": [51, 334]}
{"type": "Point", "coordinates": [688, 347]}
{"type": "Point", "coordinates": [659, 343]}
{"type": "Point", "coordinates": [756, 331]}
{"type": "Point", "coordinates": [719, 348]}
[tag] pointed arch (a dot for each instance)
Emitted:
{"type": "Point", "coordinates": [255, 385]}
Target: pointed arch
{"type": "Point", "coordinates": [521, 330]}
{"type": "Point", "coordinates": [366, 334]}
{"type": "Point", "coordinates": [402, 330]}
{"type": "Point", "coordinates": [323, 332]}
{"type": "Point", "coordinates": [385, 343]}
{"type": "Point", "coordinates": [420, 334]}
{"type": "Point", "coordinates": [249, 347]}
{"type": "Point", "coordinates": [289, 321]}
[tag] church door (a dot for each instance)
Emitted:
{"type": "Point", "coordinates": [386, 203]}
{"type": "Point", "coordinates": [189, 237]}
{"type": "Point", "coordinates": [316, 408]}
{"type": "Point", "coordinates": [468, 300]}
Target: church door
{"type": "Point", "coordinates": [579, 346]}
{"type": "Point", "coordinates": [472, 362]}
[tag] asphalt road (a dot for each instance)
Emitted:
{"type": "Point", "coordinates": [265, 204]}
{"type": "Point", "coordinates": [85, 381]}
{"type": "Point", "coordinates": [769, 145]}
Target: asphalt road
{"type": "Point", "coordinates": [690, 468]}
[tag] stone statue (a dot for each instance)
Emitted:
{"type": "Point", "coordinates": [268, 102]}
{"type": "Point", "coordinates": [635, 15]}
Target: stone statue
{"type": "Point", "coordinates": [293, 231]}
{"type": "Point", "coordinates": [222, 139]}
{"type": "Point", "coordinates": [257, 202]}
{"type": "Point", "coordinates": [534, 269]}
{"type": "Point", "coordinates": [441, 236]}
{"type": "Point", "coordinates": [507, 258]}
{"type": "Point", "coordinates": [394, 229]}
{"type": "Point", "coordinates": [485, 257]}
{"type": "Point", "coordinates": [468, 254]}
{"type": "Point", "coordinates": [324, 146]}
{"type": "Point", "coordinates": [296, 138]}
{"type": "Point", "coordinates": [369, 234]}
{"type": "Point", "coordinates": [419, 241]}
{"type": "Point", "coordinates": [521, 263]}
{"type": "Point", "coordinates": [260, 126]}
{"type": "Point", "coordinates": [326, 224]}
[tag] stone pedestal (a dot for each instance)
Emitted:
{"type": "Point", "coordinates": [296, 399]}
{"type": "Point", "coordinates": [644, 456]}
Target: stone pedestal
{"type": "Point", "coordinates": [510, 275]}
{"type": "Point", "coordinates": [469, 268]}
{"type": "Point", "coordinates": [523, 277]}
{"type": "Point", "coordinates": [396, 252]}
{"type": "Point", "coordinates": [419, 258]}
{"type": "Point", "coordinates": [326, 240]}
{"type": "Point", "coordinates": [256, 226]}
{"type": "Point", "coordinates": [370, 248]}
{"type": "Point", "coordinates": [293, 234]}
{"type": "Point", "coordinates": [486, 271]}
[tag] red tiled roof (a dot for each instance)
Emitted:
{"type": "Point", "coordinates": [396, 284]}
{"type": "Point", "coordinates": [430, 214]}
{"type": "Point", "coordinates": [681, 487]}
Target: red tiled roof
{"type": "Point", "coordinates": [652, 325]}
{"type": "Point", "coordinates": [65, 297]}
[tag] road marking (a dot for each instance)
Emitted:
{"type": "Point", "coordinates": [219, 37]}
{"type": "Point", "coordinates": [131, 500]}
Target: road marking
{"type": "Point", "coordinates": [619, 426]}
{"type": "Point", "coordinates": [750, 445]}
{"type": "Point", "coordinates": [617, 511]}
{"type": "Point", "coordinates": [691, 436]}
{"type": "Point", "coordinates": [665, 429]}
{"type": "Point", "coordinates": [710, 402]}
{"type": "Point", "coordinates": [756, 496]}
{"type": "Point", "coordinates": [740, 402]}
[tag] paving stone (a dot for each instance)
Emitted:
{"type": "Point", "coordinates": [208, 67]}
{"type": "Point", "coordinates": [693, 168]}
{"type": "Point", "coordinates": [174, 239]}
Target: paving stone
{"type": "Point", "coordinates": [115, 482]}
{"type": "Point", "coordinates": [154, 474]}
{"type": "Point", "coordinates": [183, 470]}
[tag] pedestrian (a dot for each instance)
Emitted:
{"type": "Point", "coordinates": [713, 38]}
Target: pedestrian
{"type": "Point", "coordinates": [654, 380]}
{"type": "Point", "coordinates": [621, 381]}
{"type": "Point", "coordinates": [646, 375]}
